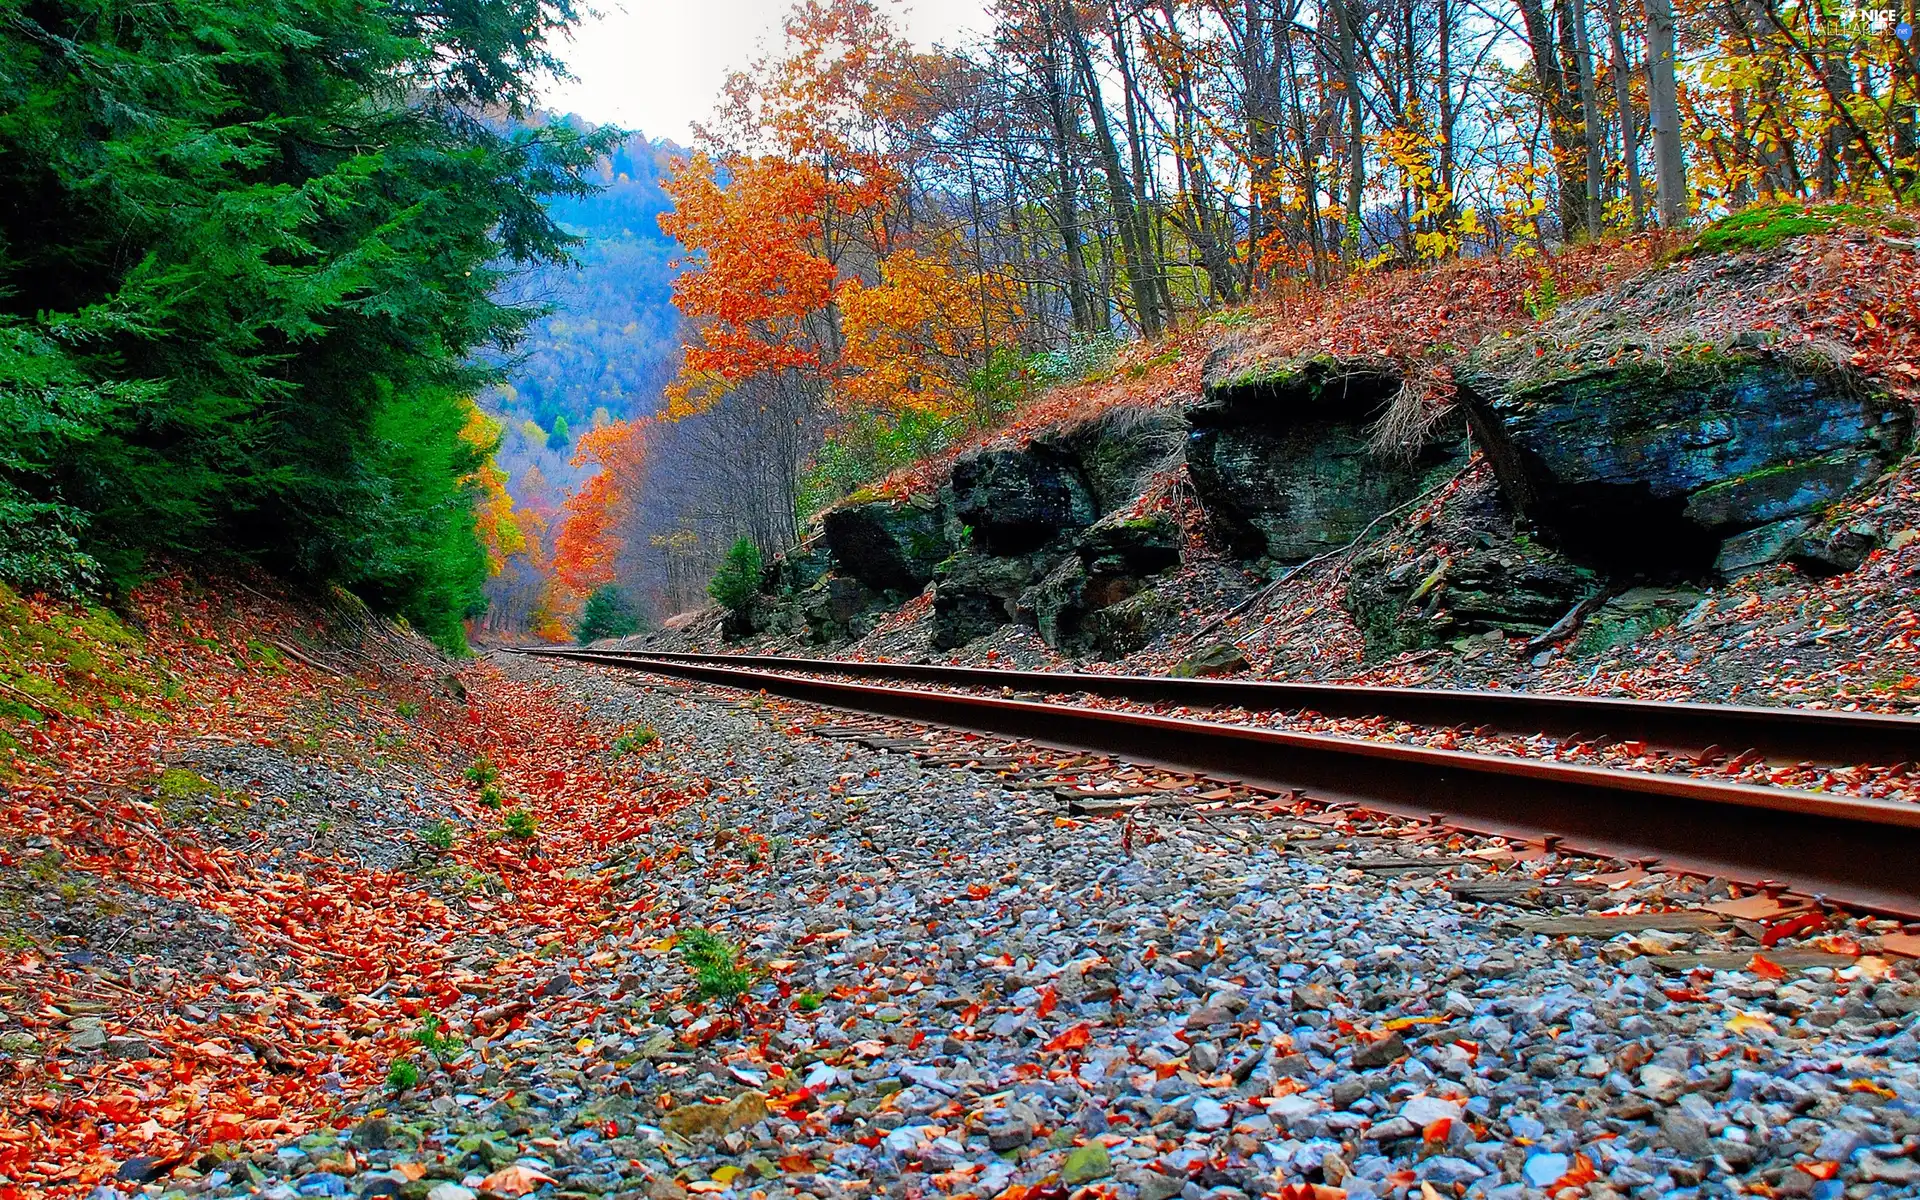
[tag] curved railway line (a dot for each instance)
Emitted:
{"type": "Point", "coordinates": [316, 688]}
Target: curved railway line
{"type": "Point", "coordinates": [1858, 852]}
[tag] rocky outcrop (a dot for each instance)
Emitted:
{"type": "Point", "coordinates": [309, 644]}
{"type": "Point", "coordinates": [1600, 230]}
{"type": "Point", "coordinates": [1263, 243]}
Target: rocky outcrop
{"type": "Point", "coordinates": [889, 546]}
{"type": "Point", "coordinates": [976, 594]}
{"type": "Point", "coordinates": [1015, 501]}
{"type": "Point", "coordinates": [1683, 462]}
{"type": "Point", "coordinates": [1116, 452]}
{"type": "Point", "coordinates": [1279, 455]}
{"type": "Point", "coordinates": [1468, 573]}
{"type": "Point", "coordinates": [1095, 600]}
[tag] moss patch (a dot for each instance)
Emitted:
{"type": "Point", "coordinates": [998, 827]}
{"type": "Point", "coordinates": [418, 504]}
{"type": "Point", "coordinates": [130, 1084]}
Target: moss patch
{"type": "Point", "coordinates": [1764, 226]}
{"type": "Point", "coordinates": [69, 661]}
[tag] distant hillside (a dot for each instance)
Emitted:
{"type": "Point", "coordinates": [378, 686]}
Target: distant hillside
{"type": "Point", "coordinates": [613, 339]}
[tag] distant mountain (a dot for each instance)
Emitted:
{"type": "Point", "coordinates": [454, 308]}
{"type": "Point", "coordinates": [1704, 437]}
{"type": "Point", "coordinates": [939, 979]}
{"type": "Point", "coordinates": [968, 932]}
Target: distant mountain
{"type": "Point", "coordinates": [613, 339]}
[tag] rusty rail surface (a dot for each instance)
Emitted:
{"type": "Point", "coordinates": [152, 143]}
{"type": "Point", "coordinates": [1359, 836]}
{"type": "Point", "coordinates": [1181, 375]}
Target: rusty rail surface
{"type": "Point", "coordinates": [1790, 734]}
{"type": "Point", "coordinates": [1850, 851]}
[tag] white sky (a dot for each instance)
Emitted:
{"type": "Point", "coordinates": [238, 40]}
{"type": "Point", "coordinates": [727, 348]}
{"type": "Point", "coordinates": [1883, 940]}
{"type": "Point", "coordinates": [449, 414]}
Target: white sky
{"type": "Point", "coordinates": [655, 66]}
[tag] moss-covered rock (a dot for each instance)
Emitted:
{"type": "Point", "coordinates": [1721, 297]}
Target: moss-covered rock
{"type": "Point", "coordinates": [1116, 452]}
{"type": "Point", "coordinates": [976, 594]}
{"type": "Point", "coordinates": [1112, 563]}
{"type": "Point", "coordinates": [1015, 501]}
{"type": "Point", "coordinates": [1280, 457]}
{"type": "Point", "coordinates": [1468, 570]}
{"type": "Point", "coordinates": [889, 546]}
{"type": "Point", "coordinates": [1687, 461]}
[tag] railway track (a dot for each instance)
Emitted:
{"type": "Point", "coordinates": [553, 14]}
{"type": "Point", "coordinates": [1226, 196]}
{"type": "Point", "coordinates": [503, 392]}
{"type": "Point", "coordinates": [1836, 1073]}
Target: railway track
{"type": "Point", "coordinates": [1857, 852]}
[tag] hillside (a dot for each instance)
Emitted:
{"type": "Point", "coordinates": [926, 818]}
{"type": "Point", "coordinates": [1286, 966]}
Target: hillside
{"type": "Point", "coordinates": [1669, 471]}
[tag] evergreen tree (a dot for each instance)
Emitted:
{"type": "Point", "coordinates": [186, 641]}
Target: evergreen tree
{"type": "Point", "coordinates": [247, 254]}
{"type": "Point", "coordinates": [607, 613]}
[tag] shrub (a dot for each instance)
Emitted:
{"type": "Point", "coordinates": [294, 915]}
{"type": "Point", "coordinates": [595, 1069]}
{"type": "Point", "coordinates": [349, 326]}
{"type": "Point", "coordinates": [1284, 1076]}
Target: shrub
{"type": "Point", "coordinates": [717, 966]}
{"type": "Point", "coordinates": [490, 796]}
{"type": "Point", "coordinates": [439, 836]}
{"type": "Point", "coordinates": [519, 824]}
{"type": "Point", "coordinates": [635, 740]}
{"type": "Point", "coordinates": [738, 580]}
{"type": "Point", "coordinates": [608, 613]}
{"type": "Point", "coordinates": [482, 772]}
{"type": "Point", "coordinates": [434, 1038]}
{"type": "Point", "coordinates": [402, 1075]}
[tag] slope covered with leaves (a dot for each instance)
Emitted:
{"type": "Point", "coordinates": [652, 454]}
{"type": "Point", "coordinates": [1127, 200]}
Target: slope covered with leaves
{"type": "Point", "coordinates": [253, 855]}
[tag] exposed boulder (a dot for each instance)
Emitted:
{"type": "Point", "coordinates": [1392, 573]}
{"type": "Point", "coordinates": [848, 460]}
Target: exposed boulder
{"type": "Point", "coordinates": [1279, 455]}
{"type": "Point", "coordinates": [976, 594]}
{"type": "Point", "coordinates": [1634, 613]}
{"type": "Point", "coordinates": [1111, 565]}
{"type": "Point", "coordinates": [1018, 500]}
{"type": "Point", "coordinates": [1466, 572]}
{"type": "Point", "coordinates": [1643, 456]}
{"type": "Point", "coordinates": [1835, 551]}
{"type": "Point", "coordinates": [1221, 658]}
{"type": "Point", "coordinates": [831, 609]}
{"type": "Point", "coordinates": [890, 546]}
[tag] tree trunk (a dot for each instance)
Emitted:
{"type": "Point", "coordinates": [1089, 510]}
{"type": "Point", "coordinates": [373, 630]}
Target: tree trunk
{"type": "Point", "coordinates": [1663, 112]}
{"type": "Point", "coordinates": [1559, 106]}
{"type": "Point", "coordinates": [1146, 300]}
{"type": "Point", "coordinates": [1590, 120]}
{"type": "Point", "coordinates": [1347, 43]}
{"type": "Point", "coordinates": [1629, 124]}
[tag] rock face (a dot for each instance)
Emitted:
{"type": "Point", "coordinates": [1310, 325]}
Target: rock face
{"type": "Point", "coordinates": [1470, 573]}
{"type": "Point", "coordinates": [889, 546]}
{"type": "Point", "coordinates": [976, 594]}
{"type": "Point", "coordinates": [1279, 456]}
{"type": "Point", "coordinates": [1116, 452]}
{"type": "Point", "coordinates": [1719, 461]}
{"type": "Point", "coordinates": [1019, 500]}
{"type": "Point", "coordinates": [1098, 600]}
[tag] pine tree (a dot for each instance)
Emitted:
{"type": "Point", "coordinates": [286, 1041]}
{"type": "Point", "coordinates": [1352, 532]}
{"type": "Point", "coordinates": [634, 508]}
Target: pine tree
{"type": "Point", "coordinates": [249, 253]}
{"type": "Point", "coordinates": [607, 613]}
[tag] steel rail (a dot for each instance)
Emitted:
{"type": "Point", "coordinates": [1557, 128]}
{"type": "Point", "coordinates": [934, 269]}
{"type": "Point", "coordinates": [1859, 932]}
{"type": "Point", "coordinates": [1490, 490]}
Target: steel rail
{"type": "Point", "coordinates": [1856, 852]}
{"type": "Point", "coordinates": [1779, 733]}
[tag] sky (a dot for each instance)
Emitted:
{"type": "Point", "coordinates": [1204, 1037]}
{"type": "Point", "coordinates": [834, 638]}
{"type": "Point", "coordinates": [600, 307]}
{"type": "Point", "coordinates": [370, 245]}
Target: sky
{"type": "Point", "coordinates": [655, 66]}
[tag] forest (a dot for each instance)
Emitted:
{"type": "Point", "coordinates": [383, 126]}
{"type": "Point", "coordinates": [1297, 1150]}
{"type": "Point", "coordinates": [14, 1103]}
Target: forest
{"type": "Point", "coordinates": [252, 259]}
{"type": "Point", "coordinates": [888, 249]}
{"type": "Point", "coordinates": [320, 287]}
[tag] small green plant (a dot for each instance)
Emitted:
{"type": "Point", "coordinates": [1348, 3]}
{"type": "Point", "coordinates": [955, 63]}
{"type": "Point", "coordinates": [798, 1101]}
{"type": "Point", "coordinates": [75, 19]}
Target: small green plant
{"type": "Point", "coordinates": [482, 772]}
{"type": "Point", "coordinates": [407, 710]}
{"type": "Point", "coordinates": [434, 1038]}
{"type": "Point", "coordinates": [402, 1075]}
{"type": "Point", "coordinates": [737, 580]}
{"type": "Point", "coordinates": [519, 824]}
{"type": "Point", "coordinates": [1543, 298]}
{"type": "Point", "coordinates": [635, 740]}
{"type": "Point", "coordinates": [717, 966]}
{"type": "Point", "coordinates": [438, 836]}
{"type": "Point", "coordinates": [490, 796]}
{"type": "Point", "coordinates": [808, 1001]}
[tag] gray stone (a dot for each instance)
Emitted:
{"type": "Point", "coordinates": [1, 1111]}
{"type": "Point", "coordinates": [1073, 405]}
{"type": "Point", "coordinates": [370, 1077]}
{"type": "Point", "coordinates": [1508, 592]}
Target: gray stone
{"type": "Point", "coordinates": [890, 546]}
{"type": "Point", "coordinates": [1281, 461]}
{"type": "Point", "coordinates": [1660, 462]}
{"type": "Point", "coordinates": [1018, 500]}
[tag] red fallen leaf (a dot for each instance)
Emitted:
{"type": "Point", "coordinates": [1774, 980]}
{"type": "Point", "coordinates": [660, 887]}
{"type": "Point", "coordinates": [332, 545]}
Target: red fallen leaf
{"type": "Point", "coordinates": [1805, 923]}
{"type": "Point", "coordinates": [1766, 968]}
{"type": "Point", "coordinates": [1071, 1038]}
{"type": "Point", "coordinates": [1048, 999]}
{"type": "Point", "coordinates": [1820, 1170]}
{"type": "Point", "coordinates": [1578, 1176]}
{"type": "Point", "coordinates": [1437, 1131]}
{"type": "Point", "coordinates": [1682, 994]}
{"type": "Point", "coordinates": [515, 1180]}
{"type": "Point", "coordinates": [971, 1013]}
{"type": "Point", "coordinates": [1839, 944]}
